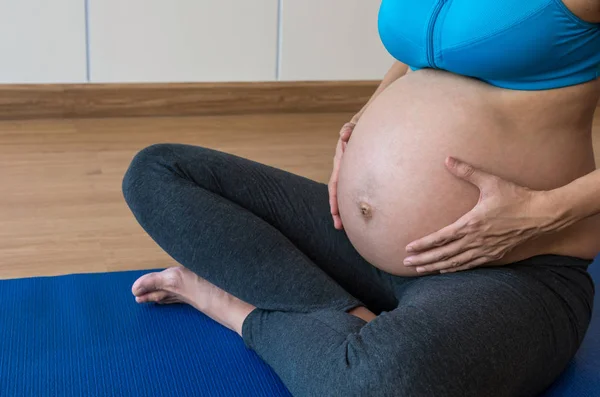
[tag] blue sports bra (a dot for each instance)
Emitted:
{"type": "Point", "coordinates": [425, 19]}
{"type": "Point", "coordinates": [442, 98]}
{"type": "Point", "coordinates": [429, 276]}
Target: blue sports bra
{"type": "Point", "coordinates": [516, 44]}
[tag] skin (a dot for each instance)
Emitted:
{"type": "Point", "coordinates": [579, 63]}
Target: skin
{"type": "Point", "coordinates": [180, 285]}
{"type": "Point", "coordinates": [396, 71]}
{"type": "Point", "coordinates": [393, 187]}
{"type": "Point", "coordinates": [497, 224]}
{"type": "Point", "coordinates": [548, 135]}
{"type": "Point", "coordinates": [548, 207]}
{"type": "Point", "coordinates": [506, 216]}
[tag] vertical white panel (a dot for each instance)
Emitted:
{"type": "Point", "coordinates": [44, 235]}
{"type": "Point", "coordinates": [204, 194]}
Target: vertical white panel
{"type": "Point", "coordinates": [183, 40]}
{"type": "Point", "coordinates": [332, 40]}
{"type": "Point", "coordinates": [42, 41]}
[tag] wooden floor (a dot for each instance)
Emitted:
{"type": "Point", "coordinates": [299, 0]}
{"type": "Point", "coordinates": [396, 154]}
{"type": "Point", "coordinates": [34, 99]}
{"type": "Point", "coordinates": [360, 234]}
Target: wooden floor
{"type": "Point", "coordinates": [61, 208]}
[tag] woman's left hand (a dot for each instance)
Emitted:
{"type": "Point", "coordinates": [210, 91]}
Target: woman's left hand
{"type": "Point", "coordinates": [506, 216]}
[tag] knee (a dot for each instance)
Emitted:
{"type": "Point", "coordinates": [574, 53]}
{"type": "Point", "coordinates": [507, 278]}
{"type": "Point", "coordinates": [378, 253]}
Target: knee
{"type": "Point", "coordinates": [141, 171]}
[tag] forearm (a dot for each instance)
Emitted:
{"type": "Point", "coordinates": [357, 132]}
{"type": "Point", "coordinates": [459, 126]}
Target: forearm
{"type": "Point", "coordinates": [576, 201]}
{"type": "Point", "coordinates": [397, 70]}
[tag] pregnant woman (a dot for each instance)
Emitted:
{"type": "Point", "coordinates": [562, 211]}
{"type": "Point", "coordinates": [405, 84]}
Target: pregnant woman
{"type": "Point", "coordinates": [465, 208]}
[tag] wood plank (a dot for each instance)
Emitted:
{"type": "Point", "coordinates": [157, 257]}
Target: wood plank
{"type": "Point", "coordinates": [62, 210]}
{"type": "Point", "coordinates": [180, 99]}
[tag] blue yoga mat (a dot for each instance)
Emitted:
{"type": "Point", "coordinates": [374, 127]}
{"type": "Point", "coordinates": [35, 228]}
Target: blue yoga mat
{"type": "Point", "coordinates": [84, 335]}
{"type": "Point", "coordinates": [582, 377]}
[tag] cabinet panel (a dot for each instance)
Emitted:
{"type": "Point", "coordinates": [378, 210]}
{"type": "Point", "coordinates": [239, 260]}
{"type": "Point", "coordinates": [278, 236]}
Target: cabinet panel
{"type": "Point", "coordinates": [183, 40]}
{"type": "Point", "coordinates": [42, 41]}
{"type": "Point", "coordinates": [332, 40]}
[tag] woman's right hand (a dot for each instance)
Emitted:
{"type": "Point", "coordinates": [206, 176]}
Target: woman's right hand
{"type": "Point", "coordinates": [345, 134]}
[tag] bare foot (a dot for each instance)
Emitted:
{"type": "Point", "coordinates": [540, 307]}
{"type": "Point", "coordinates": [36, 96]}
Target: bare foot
{"type": "Point", "coordinates": [180, 285]}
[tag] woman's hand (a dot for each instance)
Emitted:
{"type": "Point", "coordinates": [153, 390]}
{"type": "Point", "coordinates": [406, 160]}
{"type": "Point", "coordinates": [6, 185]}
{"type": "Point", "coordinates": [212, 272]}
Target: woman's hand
{"type": "Point", "coordinates": [345, 133]}
{"type": "Point", "coordinates": [506, 216]}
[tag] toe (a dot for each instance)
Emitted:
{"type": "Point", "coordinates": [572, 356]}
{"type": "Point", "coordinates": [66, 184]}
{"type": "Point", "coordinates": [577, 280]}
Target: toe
{"type": "Point", "coordinates": [170, 280]}
{"type": "Point", "coordinates": [156, 296]}
{"type": "Point", "coordinates": [145, 284]}
{"type": "Point", "coordinates": [169, 300]}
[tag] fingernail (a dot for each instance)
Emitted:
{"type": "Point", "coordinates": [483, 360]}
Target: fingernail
{"type": "Point", "coordinates": [443, 271]}
{"type": "Point", "coordinates": [407, 263]}
{"type": "Point", "coordinates": [420, 270]}
{"type": "Point", "coordinates": [410, 248]}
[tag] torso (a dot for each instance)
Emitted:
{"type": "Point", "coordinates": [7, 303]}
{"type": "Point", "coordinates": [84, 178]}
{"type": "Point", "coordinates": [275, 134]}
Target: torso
{"type": "Point", "coordinates": [394, 162]}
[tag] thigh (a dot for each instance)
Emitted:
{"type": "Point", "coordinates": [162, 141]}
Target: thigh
{"type": "Point", "coordinates": [296, 206]}
{"type": "Point", "coordinates": [496, 331]}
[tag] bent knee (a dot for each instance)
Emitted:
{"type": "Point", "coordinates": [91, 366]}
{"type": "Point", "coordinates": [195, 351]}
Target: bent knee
{"type": "Point", "coordinates": [139, 174]}
{"type": "Point", "coordinates": [154, 154]}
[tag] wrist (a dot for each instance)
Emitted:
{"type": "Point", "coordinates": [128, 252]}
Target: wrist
{"type": "Point", "coordinates": [557, 208]}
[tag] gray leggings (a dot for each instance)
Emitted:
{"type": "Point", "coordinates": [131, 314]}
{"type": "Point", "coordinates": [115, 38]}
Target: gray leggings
{"type": "Point", "coordinates": [266, 236]}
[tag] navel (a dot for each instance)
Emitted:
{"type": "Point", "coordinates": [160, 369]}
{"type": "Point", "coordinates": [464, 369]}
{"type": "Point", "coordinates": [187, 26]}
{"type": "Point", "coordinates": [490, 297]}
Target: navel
{"type": "Point", "coordinates": [366, 210]}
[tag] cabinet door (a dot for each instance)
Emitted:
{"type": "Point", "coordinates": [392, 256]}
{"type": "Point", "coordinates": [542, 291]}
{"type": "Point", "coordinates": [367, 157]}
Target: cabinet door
{"type": "Point", "coordinates": [42, 41]}
{"type": "Point", "coordinates": [183, 40]}
{"type": "Point", "coordinates": [331, 40]}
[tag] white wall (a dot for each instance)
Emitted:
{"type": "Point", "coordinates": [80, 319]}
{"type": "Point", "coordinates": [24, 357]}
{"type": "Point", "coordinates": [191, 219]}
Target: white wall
{"type": "Point", "coordinates": [42, 41]}
{"type": "Point", "coordinates": [64, 41]}
{"type": "Point", "coordinates": [331, 40]}
{"type": "Point", "coordinates": [182, 40]}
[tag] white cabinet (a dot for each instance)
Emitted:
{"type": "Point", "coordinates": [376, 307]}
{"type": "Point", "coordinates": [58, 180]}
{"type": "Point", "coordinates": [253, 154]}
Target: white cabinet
{"type": "Point", "coordinates": [115, 41]}
{"type": "Point", "coordinates": [42, 41]}
{"type": "Point", "coordinates": [182, 40]}
{"type": "Point", "coordinates": [331, 40]}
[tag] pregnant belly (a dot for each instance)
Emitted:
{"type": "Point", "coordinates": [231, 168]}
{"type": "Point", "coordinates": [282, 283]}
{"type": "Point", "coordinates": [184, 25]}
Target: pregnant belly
{"type": "Point", "coordinates": [393, 187]}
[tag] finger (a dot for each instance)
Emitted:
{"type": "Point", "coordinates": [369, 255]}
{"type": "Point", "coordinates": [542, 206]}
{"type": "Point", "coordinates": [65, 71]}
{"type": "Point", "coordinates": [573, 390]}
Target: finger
{"type": "Point", "coordinates": [438, 254]}
{"type": "Point", "coordinates": [346, 131]}
{"type": "Point", "coordinates": [467, 172]}
{"type": "Point", "coordinates": [467, 266]}
{"type": "Point", "coordinates": [348, 125]}
{"type": "Point", "coordinates": [334, 209]}
{"type": "Point", "coordinates": [331, 191]}
{"type": "Point", "coordinates": [333, 204]}
{"type": "Point", "coordinates": [332, 184]}
{"type": "Point", "coordinates": [452, 263]}
{"type": "Point", "coordinates": [345, 134]}
{"type": "Point", "coordinates": [332, 188]}
{"type": "Point", "coordinates": [337, 222]}
{"type": "Point", "coordinates": [442, 237]}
